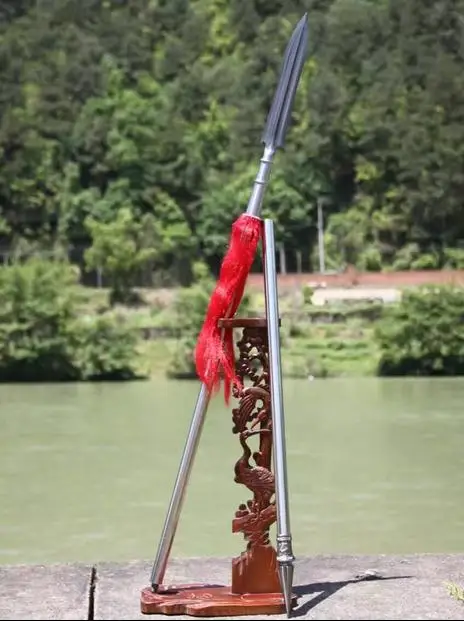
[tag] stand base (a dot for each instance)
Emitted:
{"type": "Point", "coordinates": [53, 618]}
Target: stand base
{"type": "Point", "coordinates": [204, 600]}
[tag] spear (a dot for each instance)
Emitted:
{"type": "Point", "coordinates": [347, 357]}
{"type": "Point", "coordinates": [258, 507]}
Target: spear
{"type": "Point", "coordinates": [214, 352]}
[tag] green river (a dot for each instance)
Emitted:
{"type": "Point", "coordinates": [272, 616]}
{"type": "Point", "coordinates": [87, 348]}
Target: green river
{"type": "Point", "coordinates": [86, 470]}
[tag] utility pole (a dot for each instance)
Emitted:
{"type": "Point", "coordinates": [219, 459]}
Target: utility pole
{"type": "Point", "coordinates": [320, 236]}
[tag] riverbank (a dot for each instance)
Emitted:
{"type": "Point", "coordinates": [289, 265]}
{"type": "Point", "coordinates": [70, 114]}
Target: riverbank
{"type": "Point", "coordinates": [326, 331]}
{"type": "Point", "coordinates": [338, 349]}
{"type": "Point", "coordinates": [331, 339]}
{"type": "Point", "coordinates": [328, 587]}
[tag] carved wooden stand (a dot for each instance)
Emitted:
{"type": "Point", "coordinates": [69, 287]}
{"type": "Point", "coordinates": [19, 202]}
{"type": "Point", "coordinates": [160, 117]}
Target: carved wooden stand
{"type": "Point", "coordinates": [255, 587]}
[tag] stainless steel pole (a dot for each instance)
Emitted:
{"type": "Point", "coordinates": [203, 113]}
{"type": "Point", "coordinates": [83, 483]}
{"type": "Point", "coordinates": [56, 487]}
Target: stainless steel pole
{"type": "Point", "coordinates": [260, 183]}
{"type": "Point", "coordinates": [285, 556]}
{"type": "Point", "coordinates": [178, 494]}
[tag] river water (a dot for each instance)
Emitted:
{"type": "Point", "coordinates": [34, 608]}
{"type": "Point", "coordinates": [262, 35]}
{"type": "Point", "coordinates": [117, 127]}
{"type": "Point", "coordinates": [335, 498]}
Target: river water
{"type": "Point", "coordinates": [86, 471]}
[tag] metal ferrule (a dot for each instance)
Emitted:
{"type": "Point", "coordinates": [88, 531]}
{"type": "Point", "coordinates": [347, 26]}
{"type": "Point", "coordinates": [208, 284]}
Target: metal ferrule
{"type": "Point", "coordinates": [257, 194]}
{"type": "Point", "coordinates": [284, 549]}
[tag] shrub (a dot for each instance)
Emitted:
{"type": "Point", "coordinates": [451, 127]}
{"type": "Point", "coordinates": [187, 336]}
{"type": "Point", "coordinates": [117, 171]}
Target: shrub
{"type": "Point", "coordinates": [307, 292]}
{"type": "Point", "coordinates": [121, 248]}
{"type": "Point", "coordinates": [423, 334]}
{"type": "Point", "coordinates": [104, 349]}
{"type": "Point", "coordinates": [454, 258]}
{"type": "Point", "coordinates": [42, 338]}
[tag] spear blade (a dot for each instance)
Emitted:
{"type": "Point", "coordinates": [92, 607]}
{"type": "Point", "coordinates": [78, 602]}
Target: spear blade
{"type": "Point", "coordinates": [292, 67]}
{"type": "Point", "coordinates": [280, 111]}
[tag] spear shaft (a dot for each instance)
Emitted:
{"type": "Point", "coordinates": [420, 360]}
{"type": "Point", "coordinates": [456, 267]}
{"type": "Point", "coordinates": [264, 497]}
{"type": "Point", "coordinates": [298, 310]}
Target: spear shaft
{"type": "Point", "coordinates": [285, 557]}
{"type": "Point", "coordinates": [180, 486]}
{"type": "Point", "coordinates": [261, 181]}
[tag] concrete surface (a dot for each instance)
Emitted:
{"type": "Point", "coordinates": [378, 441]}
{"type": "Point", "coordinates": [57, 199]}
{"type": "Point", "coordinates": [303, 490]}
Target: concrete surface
{"type": "Point", "coordinates": [412, 587]}
{"type": "Point", "coordinates": [45, 592]}
{"type": "Point", "coordinates": [330, 587]}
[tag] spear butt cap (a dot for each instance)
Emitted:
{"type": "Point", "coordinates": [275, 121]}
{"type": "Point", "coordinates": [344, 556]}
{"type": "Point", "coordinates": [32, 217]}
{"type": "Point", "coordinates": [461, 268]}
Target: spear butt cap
{"type": "Point", "coordinates": [292, 67]}
{"type": "Point", "coordinates": [286, 581]}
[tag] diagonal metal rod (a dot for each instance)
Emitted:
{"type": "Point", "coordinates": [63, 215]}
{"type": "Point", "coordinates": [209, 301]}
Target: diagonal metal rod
{"type": "Point", "coordinates": [285, 557]}
{"type": "Point", "coordinates": [178, 493]}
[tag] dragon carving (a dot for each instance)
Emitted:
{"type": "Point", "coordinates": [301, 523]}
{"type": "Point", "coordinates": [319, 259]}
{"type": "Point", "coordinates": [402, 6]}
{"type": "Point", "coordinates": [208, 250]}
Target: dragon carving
{"type": "Point", "coordinates": [252, 417]}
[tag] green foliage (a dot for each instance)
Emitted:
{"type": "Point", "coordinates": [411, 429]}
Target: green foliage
{"type": "Point", "coordinates": [370, 259]}
{"type": "Point", "coordinates": [307, 292]}
{"type": "Point", "coordinates": [104, 349]}
{"type": "Point", "coordinates": [423, 334]}
{"type": "Point", "coordinates": [120, 248]}
{"type": "Point", "coordinates": [35, 320]}
{"type": "Point", "coordinates": [158, 108]}
{"type": "Point", "coordinates": [227, 199]}
{"type": "Point", "coordinates": [454, 258]}
{"type": "Point", "coordinates": [339, 313]}
{"type": "Point", "coordinates": [410, 257]}
{"type": "Point", "coordinates": [42, 338]}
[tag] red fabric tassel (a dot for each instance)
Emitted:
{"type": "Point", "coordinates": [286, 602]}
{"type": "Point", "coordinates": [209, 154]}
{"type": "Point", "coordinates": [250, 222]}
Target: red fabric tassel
{"type": "Point", "coordinates": [214, 354]}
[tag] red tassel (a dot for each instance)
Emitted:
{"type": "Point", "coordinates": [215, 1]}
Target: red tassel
{"type": "Point", "coordinates": [214, 354]}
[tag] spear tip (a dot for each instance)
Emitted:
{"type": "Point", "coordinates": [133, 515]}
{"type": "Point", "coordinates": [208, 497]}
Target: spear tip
{"type": "Point", "coordinates": [292, 67]}
{"type": "Point", "coordinates": [286, 580]}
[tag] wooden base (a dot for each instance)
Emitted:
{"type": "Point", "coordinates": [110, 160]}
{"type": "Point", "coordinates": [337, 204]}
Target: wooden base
{"type": "Point", "coordinates": [203, 600]}
{"type": "Point", "coordinates": [256, 571]}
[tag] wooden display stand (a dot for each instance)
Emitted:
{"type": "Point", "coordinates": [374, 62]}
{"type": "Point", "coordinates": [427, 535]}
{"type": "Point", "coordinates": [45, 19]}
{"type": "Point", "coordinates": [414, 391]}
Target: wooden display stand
{"type": "Point", "coordinates": [255, 587]}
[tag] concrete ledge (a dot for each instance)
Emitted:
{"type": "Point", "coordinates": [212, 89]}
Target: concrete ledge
{"type": "Point", "coordinates": [45, 592]}
{"type": "Point", "coordinates": [330, 587]}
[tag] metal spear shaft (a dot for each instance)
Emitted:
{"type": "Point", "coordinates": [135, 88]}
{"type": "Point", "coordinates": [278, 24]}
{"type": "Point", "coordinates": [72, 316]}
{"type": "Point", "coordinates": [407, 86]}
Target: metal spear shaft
{"type": "Point", "coordinates": [180, 486]}
{"type": "Point", "coordinates": [285, 557]}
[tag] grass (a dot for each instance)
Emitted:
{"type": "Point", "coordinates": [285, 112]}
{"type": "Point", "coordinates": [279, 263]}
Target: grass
{"type": "Point", "coordinates": [302, 357]}
{"type": "Point", "coordinates": [456, 591]}
{"type": "Point", "coordinates": [340, 348]}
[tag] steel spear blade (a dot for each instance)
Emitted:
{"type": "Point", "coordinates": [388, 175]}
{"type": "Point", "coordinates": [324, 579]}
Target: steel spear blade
{"type": "Point", "coordinates": [292, 67]}
{"type": "Point", "coordinates": [280, 110]}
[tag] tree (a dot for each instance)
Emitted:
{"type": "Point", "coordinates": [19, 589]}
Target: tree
{"type": "Point", "coordinates": [423, 334]}
{"type": "Point", "coordinates": [43, 336]}
{"type": "Point", "coordinates": [115, 104]}
{"type": "Point", "coordinates": [227, 200]}
{"type": "Point", "coordinates": [120, 248]}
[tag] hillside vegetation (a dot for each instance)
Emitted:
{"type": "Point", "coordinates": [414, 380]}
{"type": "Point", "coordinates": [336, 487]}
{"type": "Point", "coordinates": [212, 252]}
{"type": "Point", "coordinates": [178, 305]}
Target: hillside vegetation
{"type": "Point", "coordinates": [139, 122]}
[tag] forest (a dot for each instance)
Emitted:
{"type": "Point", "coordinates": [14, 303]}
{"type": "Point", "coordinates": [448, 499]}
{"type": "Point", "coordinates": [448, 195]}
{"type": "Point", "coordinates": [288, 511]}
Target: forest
{"type": "Point", "coordinates": [130, 131]}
